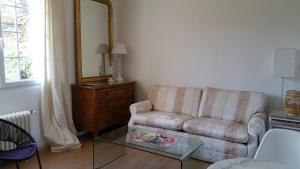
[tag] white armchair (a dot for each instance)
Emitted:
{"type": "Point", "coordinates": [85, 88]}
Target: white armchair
{"type": "Point", "coordinates": [279, 149]}
{"type": "Point", "coordinates": [282, 146]}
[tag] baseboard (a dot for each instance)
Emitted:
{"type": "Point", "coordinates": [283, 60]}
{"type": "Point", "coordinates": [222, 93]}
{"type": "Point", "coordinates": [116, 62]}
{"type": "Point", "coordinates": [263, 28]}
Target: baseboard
{"type": "Point", "coordinates": [82, 133]}
{"type": "Point", "coordinates": [42, 146]}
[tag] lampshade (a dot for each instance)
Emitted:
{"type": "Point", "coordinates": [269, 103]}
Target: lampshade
{"type": "Point", "coordinates": [285, 62]}
{"type": "Point", "coordinates": [102, 48]}
{"type": "Point", "coordinates": [119, 48]}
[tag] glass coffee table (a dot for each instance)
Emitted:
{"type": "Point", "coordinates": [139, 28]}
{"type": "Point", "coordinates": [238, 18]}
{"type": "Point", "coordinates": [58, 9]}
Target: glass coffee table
{"type": "Point", "coordinates": [168, 145]}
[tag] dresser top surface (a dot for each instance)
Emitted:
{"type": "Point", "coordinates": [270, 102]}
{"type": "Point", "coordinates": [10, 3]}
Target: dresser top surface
{"type": "Point", "coordinates": [103, 85]}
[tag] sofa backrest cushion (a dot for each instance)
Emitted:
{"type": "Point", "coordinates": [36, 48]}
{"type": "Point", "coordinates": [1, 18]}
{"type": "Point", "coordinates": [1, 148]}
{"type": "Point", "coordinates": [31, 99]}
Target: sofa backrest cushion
{"type": "Point", "coordinates": [236, 106]}
{"type": "Point", "coordinates": [184, 100]}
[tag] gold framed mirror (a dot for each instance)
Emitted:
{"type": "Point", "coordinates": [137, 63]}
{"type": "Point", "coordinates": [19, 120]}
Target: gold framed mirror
{"type": "Point", "coordinates": [93, 40]}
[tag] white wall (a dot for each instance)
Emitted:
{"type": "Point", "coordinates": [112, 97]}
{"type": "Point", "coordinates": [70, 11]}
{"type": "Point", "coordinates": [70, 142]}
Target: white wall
{"type": "Point", "coordinates": [23, 98]}
{"type": "Point", "coordinates": [220, 43]}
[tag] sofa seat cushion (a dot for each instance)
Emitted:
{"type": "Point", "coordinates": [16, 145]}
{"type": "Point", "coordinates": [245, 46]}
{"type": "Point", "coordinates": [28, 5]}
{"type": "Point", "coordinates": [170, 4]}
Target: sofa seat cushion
{"type": "Point", "coordinates": [171, 121]}
{"type": "Point", "coordinates": [217, 128]}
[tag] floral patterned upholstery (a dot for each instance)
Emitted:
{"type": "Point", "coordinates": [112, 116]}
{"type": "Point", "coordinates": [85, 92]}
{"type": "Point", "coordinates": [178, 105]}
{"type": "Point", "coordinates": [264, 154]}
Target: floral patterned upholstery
{"type": "Point", "coordinates": [140, 107]}
{"type": "Point", "coordinates": [256, 125]}
{"type": "Point", "coordinates": [231, 105]}
{"type": "Point", "coordinates": [184, 100]}
{"type": "Point", "coordinates": [217, 128]}
{"type": "Point", "coordinates": [172, 121]}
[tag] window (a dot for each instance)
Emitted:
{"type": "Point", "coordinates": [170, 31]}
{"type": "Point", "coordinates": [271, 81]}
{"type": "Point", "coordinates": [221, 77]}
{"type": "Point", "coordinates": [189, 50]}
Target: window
{"type": "Point", "coordinates": [21, 32]}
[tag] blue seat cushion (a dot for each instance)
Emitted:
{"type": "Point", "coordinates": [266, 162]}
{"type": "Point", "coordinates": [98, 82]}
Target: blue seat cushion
{"type": "Point", "coordinates": [21, 153]}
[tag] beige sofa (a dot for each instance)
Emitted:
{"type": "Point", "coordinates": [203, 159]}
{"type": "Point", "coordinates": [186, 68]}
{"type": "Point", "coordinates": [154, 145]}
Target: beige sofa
{"type": "Point", "coordinates": [229, 123]}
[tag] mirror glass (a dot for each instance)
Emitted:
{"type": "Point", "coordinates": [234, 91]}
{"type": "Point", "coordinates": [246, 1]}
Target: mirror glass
{"type": "Point", "coordinates": [93, 40]}
{"type": "Point", "coordinates": [94, 34]}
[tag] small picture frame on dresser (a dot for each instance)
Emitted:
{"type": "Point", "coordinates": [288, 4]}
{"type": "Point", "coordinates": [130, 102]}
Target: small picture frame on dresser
{"type": "Point", "coordinates": [281, 119]}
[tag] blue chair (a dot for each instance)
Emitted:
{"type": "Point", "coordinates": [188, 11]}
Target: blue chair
{"type": "Point", "coordinates": [26, 146]}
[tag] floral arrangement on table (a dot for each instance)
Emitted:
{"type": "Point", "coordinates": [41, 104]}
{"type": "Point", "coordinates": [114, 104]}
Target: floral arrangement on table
{"type": "Point", "coordinates": [155, 138]}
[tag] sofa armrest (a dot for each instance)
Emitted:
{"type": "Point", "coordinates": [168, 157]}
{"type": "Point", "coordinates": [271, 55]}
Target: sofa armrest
{"type": "Point", "coordinates": [140, 107]}
{"type": "Point", "coordinates": [257, 125]}
{"type": "Point", "coordinates": [256, 130]}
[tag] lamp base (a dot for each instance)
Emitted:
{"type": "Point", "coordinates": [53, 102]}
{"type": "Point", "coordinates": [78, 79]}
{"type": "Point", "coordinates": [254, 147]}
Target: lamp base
{"type": "Point", "coordinates": [119, 79]}
{"type": "Point", "coordinates": [110, 80]}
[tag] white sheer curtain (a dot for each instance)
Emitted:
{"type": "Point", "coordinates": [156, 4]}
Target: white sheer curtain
{"type": "Point", "coordinates": [58, 126]}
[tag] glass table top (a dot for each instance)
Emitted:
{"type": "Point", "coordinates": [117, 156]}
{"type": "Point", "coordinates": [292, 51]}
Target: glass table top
{"type": "Point", "coordinates": [168, 145]}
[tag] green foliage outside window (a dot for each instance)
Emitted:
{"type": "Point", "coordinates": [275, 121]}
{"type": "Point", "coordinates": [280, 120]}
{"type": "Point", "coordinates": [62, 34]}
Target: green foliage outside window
{"type": "Point", "coordinates": [14, 29]}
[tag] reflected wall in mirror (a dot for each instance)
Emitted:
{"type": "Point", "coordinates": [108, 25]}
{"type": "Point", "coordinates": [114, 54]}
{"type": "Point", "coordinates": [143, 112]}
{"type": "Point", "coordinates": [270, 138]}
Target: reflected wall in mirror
{"type": "Point", "coordinates": [93, 39]}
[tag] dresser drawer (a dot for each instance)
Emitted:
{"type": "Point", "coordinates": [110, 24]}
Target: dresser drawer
{"type": "Point", "coordinates": [102, 106]}
{"type": "Point", "coordinates": [115, 106]}
{"type": "Point", "coordinates": [117, 93]}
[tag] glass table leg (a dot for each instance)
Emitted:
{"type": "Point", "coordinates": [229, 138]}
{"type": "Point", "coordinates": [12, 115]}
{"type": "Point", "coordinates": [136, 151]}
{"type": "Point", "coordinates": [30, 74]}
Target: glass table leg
{"type": "Point", "coordinates": [105, 153]}
{"type": "Point", "coordinates": [185, 164]}
{"type": "Point", "coordinates": [191, 163]}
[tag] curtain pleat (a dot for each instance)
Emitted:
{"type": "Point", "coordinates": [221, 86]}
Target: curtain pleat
{"type": "Point", "coordinates": [57, 122]}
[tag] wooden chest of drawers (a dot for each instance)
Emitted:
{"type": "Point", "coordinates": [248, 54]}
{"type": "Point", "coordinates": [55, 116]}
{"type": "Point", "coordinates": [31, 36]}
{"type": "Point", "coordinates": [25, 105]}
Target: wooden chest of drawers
{"type": "Point", "coordinates": [100, 106]}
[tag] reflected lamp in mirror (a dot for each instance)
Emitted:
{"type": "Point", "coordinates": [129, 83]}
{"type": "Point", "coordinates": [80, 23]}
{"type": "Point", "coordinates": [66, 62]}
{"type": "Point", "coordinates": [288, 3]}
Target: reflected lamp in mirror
{"type": "Point", "coordinates": [102, 49]}
{"type": "Point", "coordinates": [119, 50]}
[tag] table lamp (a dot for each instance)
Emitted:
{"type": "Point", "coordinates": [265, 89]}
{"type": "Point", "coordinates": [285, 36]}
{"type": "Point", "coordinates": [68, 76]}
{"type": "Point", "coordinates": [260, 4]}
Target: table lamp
{"type": "Point", "coordinates": [119, 50]}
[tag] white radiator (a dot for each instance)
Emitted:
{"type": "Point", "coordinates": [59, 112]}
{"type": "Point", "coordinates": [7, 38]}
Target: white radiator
{"type": "Point", "coordinates": [22, 119]}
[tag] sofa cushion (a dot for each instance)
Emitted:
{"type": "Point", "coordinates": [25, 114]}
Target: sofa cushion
{"type": "Point", "coordinates": [175, 99]}
{"type": "Point", "coordinates": [217, 128]}
{"type": "Point", "coordinates": [236, 106]}
{"type": "Point", "coordinates": [171, 121]}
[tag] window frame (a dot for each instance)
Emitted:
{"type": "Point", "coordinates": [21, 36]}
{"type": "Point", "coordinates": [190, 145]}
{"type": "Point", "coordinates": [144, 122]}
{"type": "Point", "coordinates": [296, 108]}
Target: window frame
{"type": "Point", "coordinates": [17, 83]}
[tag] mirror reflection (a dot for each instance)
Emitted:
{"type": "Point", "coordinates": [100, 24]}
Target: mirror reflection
{"type": "Point", "coordinates": [94, 38]}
